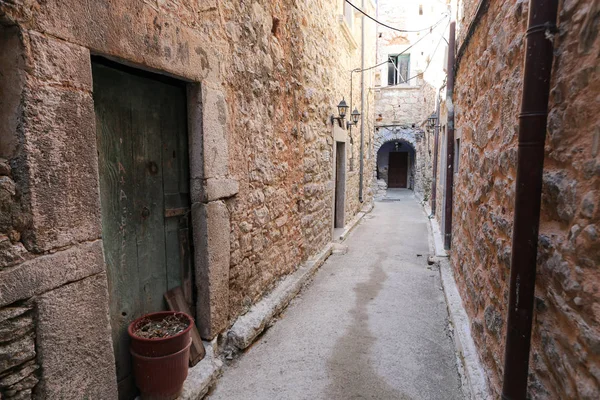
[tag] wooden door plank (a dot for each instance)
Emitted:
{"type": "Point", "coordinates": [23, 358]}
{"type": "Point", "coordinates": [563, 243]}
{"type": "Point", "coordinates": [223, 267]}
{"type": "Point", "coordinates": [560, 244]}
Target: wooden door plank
{"type": "Point", "coordinates": [176, 302]}
{"type": "Point", "coordinates": [148, 205]}
{"type": "Point", "coordinates": [173, 255]}
{"type": "Point", "coordinates": [170, 131]}
{"type": "Point", "coordinates": [176, 186]}
{"type": "Point", "coordinates": [185, 257]}
{"type": "Point", "coordinates": [115, 148]}
{"type": "Point", "coordinates": [397, 170]}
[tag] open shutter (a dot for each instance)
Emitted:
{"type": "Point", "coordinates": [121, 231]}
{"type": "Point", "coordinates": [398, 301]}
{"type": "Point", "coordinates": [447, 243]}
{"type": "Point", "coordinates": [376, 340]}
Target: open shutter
{"type": "Point", "coordinates": [391, 70]}
{"type": "Point", "coordinates": [403, 68]}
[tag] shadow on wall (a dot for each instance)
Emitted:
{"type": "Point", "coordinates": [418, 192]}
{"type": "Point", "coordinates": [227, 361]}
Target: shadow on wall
{"type": "Point", "coordinates": [396, 164]}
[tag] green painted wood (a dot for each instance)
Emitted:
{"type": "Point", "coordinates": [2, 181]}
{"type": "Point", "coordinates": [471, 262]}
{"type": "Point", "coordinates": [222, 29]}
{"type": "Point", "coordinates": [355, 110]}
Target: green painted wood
{"type": "Point", "coordinates": [143, 164]}
{"type": "Point", "coordinates": [149, 200]}
{"type": "Point", "coordinates": [176, 191]}
{"type": "Point", "coordinates": [115, 147]}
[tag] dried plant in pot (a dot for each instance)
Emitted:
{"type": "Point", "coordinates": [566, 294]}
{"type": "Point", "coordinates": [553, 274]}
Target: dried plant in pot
{"type": "Point", "coordinates": [160, 350]}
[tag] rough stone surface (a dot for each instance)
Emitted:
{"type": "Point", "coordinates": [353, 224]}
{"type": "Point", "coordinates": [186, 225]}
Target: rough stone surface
{"type": "Point", "coordinates": [202, 376]}
{"type": "Point", "coordinates": [18, 366]}
{"type": "Point", "coordinates": [249, 326]}
{"type": "Point", "coordinates": [215, 151]}
{"type": "Point", "coordinates": [283, 149]}
{"type": "Point", "coordinates": [419, 144]}
{"type": "Point", "coordinates": [73, 341]}
{"type": "Point", "coordinates": [11, 86]}
{"type": "Point", "coordinates": [50, 271]}
{"type": "Point", "coordinates": [212, 266]}
{"type": "Point", "coordinates": [404, 106]}
{"type": "Point", "coordinates": [62, 182]}
{"type": "Point", "coordinates": [260, 95]}
{"type": "Point", "coordinates": [217, 189]}
{"type": "Point", "coordinates": [564, 358]}
{"type": "Point", "coordinates": [266, 97]}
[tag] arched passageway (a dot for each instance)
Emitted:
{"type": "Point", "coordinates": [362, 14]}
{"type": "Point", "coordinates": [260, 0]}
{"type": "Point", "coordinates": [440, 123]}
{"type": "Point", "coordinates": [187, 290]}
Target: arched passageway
{"type": "Point", "coordinates": [395, 148]}
{"type": "Point", "coordinates": [395, 164]}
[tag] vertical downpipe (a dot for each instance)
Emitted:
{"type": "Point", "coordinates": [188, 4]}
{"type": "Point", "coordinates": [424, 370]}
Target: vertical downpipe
{"type": "Point", "coordinates": [362, 104]}
{"type": "Point", "coordinates": [436, 133]}
{"type": "Point", "coordinates": [530, 166]}
{"type": "Point", "coordinates": [449, 140]}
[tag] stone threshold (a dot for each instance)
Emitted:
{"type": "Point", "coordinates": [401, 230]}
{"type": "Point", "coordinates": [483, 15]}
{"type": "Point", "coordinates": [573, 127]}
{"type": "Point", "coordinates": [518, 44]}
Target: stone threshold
{"type": "Point", "coordinates": [436, 241]}
{"type": "Point", "coordinates": [472, 375]}
{"type": "Point", "coordinates": [249, 326]}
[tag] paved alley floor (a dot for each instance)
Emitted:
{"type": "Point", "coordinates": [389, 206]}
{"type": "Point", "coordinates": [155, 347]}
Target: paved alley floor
{"type": "Point", "coordinates": [371, 325]}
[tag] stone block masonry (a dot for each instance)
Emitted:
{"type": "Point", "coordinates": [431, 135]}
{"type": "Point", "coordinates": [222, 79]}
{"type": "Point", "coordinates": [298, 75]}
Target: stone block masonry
{"type": "Point", "coordinates": [565, 356]}
{"type": "Point", "coordinates": [73, 340]}
{"type": "Point", "coordinates": [262, 79]}
{"type": "Point", "coordinates": [19, 370]}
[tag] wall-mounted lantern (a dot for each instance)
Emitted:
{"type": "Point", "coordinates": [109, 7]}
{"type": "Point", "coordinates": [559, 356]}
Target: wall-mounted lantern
{"type": "Point", "coordinates": [353, 118]}
{"type": "Point", "coordinates": [431, 121]}
{"type": "Point", "coordinates": [342, 110]}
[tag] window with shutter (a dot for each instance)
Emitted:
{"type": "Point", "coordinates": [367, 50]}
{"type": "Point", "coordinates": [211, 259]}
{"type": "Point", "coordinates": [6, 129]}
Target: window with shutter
{"type": "Point", "coordinates": [403, 68]}
{"type": "Point", "coordinates": [398, 69]}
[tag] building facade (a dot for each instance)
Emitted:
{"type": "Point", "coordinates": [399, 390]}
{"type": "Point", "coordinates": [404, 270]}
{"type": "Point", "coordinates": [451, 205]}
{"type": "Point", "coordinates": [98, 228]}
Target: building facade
{"type": "Point", "coordinates": [149, 145]}
{"type": "Point", "coordinates": [565, 358]}
{"type": "Point", "coordinates": [407, 83]}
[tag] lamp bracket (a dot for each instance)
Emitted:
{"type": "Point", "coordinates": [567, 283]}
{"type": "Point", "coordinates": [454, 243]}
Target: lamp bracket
{"type": "Point", "coordinates": [339, 120]}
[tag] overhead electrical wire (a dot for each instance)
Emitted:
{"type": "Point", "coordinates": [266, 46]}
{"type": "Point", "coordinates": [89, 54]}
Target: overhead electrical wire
{"type": "Point", "coordinates": [428, 63]}
{"type": "Point", "coordinates": [387, 26]}
{"type": "Point", "coordinates": [431, 28]}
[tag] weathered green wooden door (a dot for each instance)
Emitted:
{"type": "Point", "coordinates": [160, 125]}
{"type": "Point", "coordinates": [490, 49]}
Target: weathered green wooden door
{"type": "Point", "coordinates": [144, 188]}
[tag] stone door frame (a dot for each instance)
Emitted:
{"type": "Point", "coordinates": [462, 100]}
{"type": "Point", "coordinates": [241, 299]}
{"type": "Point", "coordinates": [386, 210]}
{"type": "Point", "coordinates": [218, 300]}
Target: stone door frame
{"type": "Point", "coordinates": [339, 136]}
{"type": "Point", "coordinates": [57, 170]}
{"type": "Point", "coordinates": [207, 120]}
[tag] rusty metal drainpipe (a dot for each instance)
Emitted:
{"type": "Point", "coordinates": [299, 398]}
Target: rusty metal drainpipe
{"type": "Point", "coordinates": [449, 139]}
{"type": "Point", "coordinates": [436, 133]}
{"type": "Point", "coordinates": [530, 165]}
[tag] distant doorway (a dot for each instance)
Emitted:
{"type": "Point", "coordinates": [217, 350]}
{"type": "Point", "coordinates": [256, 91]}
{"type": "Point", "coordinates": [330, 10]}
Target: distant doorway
{"type": "Point", "coordinates": [340, 184]}
{"type": "Point", "coordinates": [398, 170]}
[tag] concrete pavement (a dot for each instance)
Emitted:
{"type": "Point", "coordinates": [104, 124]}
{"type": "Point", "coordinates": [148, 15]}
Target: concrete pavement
{"type": "Point", "coordinates": [372, 324]}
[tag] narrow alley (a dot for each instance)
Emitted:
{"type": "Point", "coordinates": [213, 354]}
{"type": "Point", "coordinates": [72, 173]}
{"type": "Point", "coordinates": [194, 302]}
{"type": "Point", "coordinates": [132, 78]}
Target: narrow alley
{"type": "Point", "coordinates": [238, 199]}
{"type": "Point", "coordinates": [372, 324]}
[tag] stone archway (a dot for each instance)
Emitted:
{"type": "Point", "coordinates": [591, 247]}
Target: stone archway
{"type": "Point", "coordinates": [395, 164]}
{"type": "Point", "coordinates": [384, 135]}
{"type": "Point", "coordinates": [385, 143]}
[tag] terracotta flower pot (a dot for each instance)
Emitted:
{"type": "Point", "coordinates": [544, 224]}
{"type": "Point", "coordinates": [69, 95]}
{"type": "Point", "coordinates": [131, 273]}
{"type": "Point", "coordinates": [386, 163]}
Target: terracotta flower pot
{"type": "Point", "coordinates": [160, 346]}
{"type": "Point", "coordinates": [160, 365]}
{"type": "Point", "coordinates": [161, 378]}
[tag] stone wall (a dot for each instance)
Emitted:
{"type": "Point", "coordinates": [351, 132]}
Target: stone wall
{"type": "Point", "coordinates": [441, 159]}
{"type": "Point", "coordinates": [282, 215]}
{"type": "Point", "coordinates": [404, 105]}
{"type": "Point", "coordinates": [18, 367]}
{"type": "Point", "coordinates": [565, 356]}
{"type": "Point", "coordinates": [264, 79]}
{"type": "Point", "coordinates": [402, 113]}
